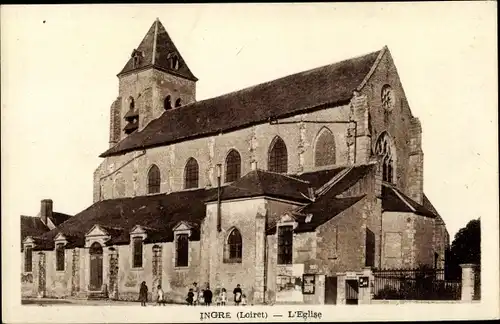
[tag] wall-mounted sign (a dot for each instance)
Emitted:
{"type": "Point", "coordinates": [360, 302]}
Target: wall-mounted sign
{"type": "Point", "coordinates": [351, 275]}
{"type": "Point", "coordinates": [308, 284]}
{"type": "Point", "coordinates": [363, 282]}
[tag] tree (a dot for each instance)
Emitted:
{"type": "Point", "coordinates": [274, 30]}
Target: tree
{"type": "Point", "coordinates": [466, 248]}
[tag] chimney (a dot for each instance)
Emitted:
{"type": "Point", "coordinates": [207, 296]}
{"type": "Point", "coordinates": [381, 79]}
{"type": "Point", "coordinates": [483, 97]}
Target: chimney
{"type": "Point", "coordinates": [45, 210]}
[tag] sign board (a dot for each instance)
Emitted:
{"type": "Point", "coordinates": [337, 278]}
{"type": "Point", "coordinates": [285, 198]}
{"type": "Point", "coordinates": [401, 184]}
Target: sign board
{"type": "Point", "coordinates": [308, 284]}
{"type": "Point", "coordinates": [351, 275]}
{"type": "Point", "coordinates": [364, 282]}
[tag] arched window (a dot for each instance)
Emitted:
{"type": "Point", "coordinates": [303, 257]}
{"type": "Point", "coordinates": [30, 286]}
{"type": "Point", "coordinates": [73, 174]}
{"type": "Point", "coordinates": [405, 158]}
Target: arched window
{"type": "Point", "coordinates": [178, 102]}
{"type": "Point", "coordinates": [234, 244]}
{"type": "Point", "coordinates": [60, 257]}
{"type": "Point", "coordinates": [137, 252]}
{"type": "Point", "coordinates": [233, 166]}
{"type": "Point", "coordinates": [167, 104]}
{"type": "Point", "coordinates": [154, 180]}
{"type": "Point", "coordinates": [119, 186]}
{"type": "Point", "coordinates": [278, 156]}
{"type": "Point", "coordinates": [324, 151]}
{"type": "Point", "coordinates": [131, 103]}
{"type": "Point", "coordinates": [28, 259]}
{"type": "Point", "coordinates": [384, 149]}
{"type": "Point", "coordinates": [175, 62]}
{"type": "Point", "coordinates": [191, 174]}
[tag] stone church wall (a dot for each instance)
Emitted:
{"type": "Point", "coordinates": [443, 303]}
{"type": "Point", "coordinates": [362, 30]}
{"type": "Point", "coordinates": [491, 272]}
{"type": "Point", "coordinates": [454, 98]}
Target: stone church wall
{"type": "Point", "coordinates": [399, 123]}
{"type": "Point", "coordinates": [407, 240]}
{"type": "Point", "coordinates": [252, 144]}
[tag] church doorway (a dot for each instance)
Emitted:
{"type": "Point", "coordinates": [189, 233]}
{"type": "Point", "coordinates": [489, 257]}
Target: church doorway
{"type": "Point", "coordinates": [95, 267]}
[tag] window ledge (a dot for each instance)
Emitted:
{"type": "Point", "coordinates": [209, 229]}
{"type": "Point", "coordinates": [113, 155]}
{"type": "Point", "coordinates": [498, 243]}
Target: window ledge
{"type": "Point", "coordinates": [61, 271]}
{"type": "Point", "coordinates": [137, 269]}
{"type": "Point", "coordinates": [232, 261]}
{"type": "Point", "coordinates": [283, 265]}
{"type": "Point", "coordinates": [181, 268]}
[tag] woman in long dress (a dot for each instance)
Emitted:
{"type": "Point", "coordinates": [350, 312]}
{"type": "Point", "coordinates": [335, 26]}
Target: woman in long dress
{"type": "Point", "coordinates": [143, 293]}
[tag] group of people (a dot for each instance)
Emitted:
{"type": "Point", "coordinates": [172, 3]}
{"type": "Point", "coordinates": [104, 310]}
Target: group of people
{"type": "Point", "coordinates": [197, 296]}
{"type": "Point", "coordinates": [143, 295]}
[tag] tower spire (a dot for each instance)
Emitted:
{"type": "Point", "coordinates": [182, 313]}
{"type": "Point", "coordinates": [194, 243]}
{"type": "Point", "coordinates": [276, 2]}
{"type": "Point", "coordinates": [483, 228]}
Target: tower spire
{"type": "Point", "coordinates": [157, 50]}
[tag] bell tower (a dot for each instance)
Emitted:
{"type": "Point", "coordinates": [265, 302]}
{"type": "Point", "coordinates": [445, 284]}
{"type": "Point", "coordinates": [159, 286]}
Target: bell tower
{"type": "Point", "coordinates": [154, 80]}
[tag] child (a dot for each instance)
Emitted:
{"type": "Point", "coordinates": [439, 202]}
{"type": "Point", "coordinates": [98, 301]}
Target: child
{"type": "Point", "coordinates": [201, 299]}
{"type": "Point", "coordinates": [217, 297]}
{"type": "Point", "coordinates": [223, 297]}
{"type": "Point", "coordinates": [190, 297]}
{"type": "Point", "coordinates": [243, 299]}
{"type": "Point", "coordinates": [160, 300]}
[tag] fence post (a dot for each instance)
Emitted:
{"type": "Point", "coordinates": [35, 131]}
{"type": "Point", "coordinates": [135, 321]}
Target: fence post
{"type": "Point", "coordinates": [365, 283]}
{"type": "Point", "coordinates": [468, 281]}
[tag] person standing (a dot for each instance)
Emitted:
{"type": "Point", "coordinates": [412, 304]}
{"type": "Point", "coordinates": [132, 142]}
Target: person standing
{"type": "Point", "coordinates": [201, 297]}
{"type": "Point", "coordinates": [207, 296]}
{"type": "Point", "coordinates": [160, 299]}
{"type": "Point", "coordinates": [190, 297]}
{"type": "Point", "coordinates": [237, 295]}
{"type": "Point", "coordinates": [143, 293]}
{"type": "Point", "coordinates": [223, 297]}
{"type": "Point", "coordinates": [196, 292]}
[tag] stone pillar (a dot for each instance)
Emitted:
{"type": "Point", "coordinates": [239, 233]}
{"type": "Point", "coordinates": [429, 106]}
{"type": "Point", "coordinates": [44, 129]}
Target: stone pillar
{"type": "Point", "coordinates": [341, 288]}
{"type": "Point", "coordinates": [415, 187]}
{"type": "Point", "coordinates": [260, 243]}
{"type": "Point", "coordinates": [468, 281]}
{"type": "Point", "coordinates": [75, 275]}
{"type": "Point", "coordinates": [359, 133]}
{"type": "Point", "coordinates": [365, 293]}
{"type": "Point", "coordinates": [320, 288]}
{"type": "Point", "coordinates": [84, 273]}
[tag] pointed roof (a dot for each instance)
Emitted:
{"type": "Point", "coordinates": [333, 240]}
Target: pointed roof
{"type": "Point", "coordinates": [156, 51]}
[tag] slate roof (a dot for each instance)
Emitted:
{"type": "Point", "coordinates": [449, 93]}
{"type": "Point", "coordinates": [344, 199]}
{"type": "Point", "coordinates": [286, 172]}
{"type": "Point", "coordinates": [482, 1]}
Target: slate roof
{"type": "Point", "coordinates": [266, 183]}
{"type": "Point", "coordinates": [326, 86]}
{"type": "Point", "coordinates": [119, 216]}
{"type": "Point", "coordinates": [394, 200]}
{"type": "Point", "coordinates": [428, 205]}
{"type": "Point", "coordinates": [59, 218]}
{"type": "Point", "coordinates": [324, 209]}
{"type": "Point", "coordinates": [158, 44]}
{"type": "Point", "coordinates": [327, 205]}
{"type": "Point", "coordinates": [32, 226]}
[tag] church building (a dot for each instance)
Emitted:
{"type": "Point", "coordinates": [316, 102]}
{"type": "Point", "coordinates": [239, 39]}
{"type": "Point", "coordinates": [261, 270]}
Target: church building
{"type": "Point", "coordinates": [278, 187]}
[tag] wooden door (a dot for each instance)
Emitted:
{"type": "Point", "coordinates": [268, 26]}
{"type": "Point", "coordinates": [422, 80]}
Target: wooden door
{"type": "Point", "coordinates": [95, 267]}
{"type": "Point", "coordinates": [331, 290]}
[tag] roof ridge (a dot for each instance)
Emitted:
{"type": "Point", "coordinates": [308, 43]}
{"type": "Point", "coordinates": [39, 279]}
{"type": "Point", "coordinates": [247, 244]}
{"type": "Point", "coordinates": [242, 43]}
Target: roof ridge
{"type": "Point", "coordinates": [276, 79]}
{"type": "Point", "coordinates": [284, 175]}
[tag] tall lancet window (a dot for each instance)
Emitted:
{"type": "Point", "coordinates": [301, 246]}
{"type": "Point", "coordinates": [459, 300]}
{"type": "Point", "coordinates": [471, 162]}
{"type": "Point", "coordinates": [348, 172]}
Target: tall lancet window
{"type": "Point", "coordinates": [154, 180]}
{"type": "Point", "coordinates": [385, 150]}
{"type": "Point", "coordinates": [278, 156]}
{"type": "Point", "coordinates": [191, 174]}
{"type": "Point", "coordinates": [233, 166]}
{"type": "Point", "coordinates": [324, 150]}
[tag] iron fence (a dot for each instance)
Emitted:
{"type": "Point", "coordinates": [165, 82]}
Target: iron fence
{"type": "Point", "coordinates": [415, 284]}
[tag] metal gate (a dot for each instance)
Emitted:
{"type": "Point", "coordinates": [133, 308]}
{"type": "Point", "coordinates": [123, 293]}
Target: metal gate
{"type": "Point", "coordinates": [351, 292]}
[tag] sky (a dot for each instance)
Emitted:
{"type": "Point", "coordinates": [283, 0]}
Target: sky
{"type": "Point", "coordinates": [59, 66]}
